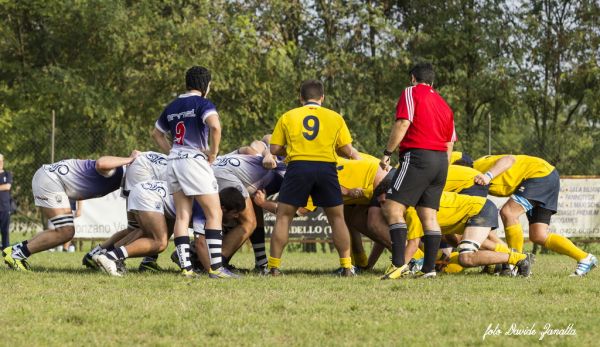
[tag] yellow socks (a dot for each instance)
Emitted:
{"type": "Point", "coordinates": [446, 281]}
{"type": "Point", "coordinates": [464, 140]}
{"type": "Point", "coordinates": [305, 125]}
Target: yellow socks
{"type": "Point", "coordinates": [346, 263]}
{"type": "Point", "coordinates": [563, 245]}
{"type": "Point", "coordinates": [514, 257]}
{"type": "Point", "coordinates": [360, 259]}
{"type": "Point", "coordinates": [274, 263]}
{"type": "Point", "coordinates": [501, 248]}
{"type": "Point", "coordinates": [514, 237]}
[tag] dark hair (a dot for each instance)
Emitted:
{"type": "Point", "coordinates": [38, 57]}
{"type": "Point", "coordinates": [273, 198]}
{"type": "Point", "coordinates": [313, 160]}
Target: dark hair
{"type": "Point", "coordinates": [423, 73]}
{"type": "Point", "coordinates": [197, 77]}
{"type": "Point", "coordinates": [465, 160]}
{"type": "Point", "coordinates": [312, 89]}
{"type": "Point", "coordinates": [385, 183]}
{"type": "Point", "coordinates": [232, 199]}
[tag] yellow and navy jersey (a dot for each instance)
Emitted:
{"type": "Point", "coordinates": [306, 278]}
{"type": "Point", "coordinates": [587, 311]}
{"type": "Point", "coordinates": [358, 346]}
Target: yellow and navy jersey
{"type": "Point", "coordinates": [312, 133]}
{"type": "Point", "coordinates": [506, 183]}
{"type": "Point", "coordinates": [460, 178]}
{"type": "Point", "coordinates": [355, 174]}
{"type": "Point", "coordinates": [455, 210]}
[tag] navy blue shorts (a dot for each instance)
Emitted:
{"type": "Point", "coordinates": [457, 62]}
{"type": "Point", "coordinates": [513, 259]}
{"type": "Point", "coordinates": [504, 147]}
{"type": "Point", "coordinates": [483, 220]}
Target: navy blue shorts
{"type": "Point", "coordinates": [314, 178]}
{"type": "Point", "coordinates": [476, 190]}
{"type": "Point", "coordinates": [487, 217]}
{"type": "Point", "coordinates": [541, 191]}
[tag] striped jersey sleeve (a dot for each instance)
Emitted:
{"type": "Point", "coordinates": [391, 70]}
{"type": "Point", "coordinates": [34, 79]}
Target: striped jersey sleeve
{"type": "Point", "coordinates": [405, 109]}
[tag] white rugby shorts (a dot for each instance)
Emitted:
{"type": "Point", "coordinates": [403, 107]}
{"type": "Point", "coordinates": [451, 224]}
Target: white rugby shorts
{"type": "Point", "coordinates": [48, 191]}
{"type": "Point", "coordinates": [189, 171]}
{"type": "Point", "coordinates": [148, 197]}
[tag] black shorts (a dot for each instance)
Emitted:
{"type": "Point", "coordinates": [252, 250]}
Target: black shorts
{"type": "Point", "coordinates": [314, 178]}
{"type": "Point", "coordinates": [541, 191]}
{"type": "Point", "coordinates": [487, 217]}
{"type": "Point", "coordinates": [420, 178]}
{"type": "Point", "coordinates": [476, 190]}
{"type": "Point", "coordinates": [388, 177]}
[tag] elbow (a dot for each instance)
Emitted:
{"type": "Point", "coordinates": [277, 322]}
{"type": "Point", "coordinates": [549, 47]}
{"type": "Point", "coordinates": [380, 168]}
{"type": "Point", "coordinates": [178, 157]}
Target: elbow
{"type": "Point", "coordinates": [102, 164]}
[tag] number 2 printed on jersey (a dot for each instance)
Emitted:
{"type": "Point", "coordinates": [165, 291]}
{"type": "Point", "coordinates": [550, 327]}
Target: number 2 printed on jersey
{"type": "Point", "coordinates": [179, 133]}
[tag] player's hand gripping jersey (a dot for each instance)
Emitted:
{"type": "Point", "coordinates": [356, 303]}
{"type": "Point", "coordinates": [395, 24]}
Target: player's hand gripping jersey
{"type": "Point", "coordinates": [525, 167]}
{"type": "Point", "coordinates": [245, 172]}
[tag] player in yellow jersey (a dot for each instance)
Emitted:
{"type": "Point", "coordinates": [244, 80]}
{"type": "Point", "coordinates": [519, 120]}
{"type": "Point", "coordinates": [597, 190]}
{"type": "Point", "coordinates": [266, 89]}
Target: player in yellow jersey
{"type": "Point", "coordinates": [533, 186]}
{"type": "Point", "coordinates": [311, 137]}
{"type": "Point", "coordinates": [461, 179]}
{"type": "Point", "coordinates": [474, 217]}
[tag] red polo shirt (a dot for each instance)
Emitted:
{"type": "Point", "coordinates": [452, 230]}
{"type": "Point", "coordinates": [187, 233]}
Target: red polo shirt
{"type": "Point", "coordinates": [432, 121]}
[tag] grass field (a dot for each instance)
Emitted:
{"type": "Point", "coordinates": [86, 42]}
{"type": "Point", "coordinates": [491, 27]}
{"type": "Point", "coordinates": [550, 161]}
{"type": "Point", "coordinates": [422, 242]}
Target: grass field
{"type": "Point", "coordinates": [63, 304]}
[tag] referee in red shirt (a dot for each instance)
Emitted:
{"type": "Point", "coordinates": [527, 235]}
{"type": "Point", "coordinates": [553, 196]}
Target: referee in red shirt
{"type": "Point", "coordinates": [424, 131]}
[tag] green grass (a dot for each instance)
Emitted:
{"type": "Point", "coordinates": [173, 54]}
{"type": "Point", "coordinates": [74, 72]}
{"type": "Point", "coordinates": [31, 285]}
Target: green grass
{"type": "Point", "coordinates": [63, 304]}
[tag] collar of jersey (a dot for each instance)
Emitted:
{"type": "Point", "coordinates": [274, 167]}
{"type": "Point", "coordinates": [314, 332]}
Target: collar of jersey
{"type": "Point", "coordinates": [188, 94]}
{"type": "Point", "coordinates": [310, 103]}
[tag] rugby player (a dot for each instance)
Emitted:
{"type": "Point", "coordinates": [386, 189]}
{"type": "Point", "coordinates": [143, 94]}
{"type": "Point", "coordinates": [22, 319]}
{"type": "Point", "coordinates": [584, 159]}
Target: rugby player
{"type": "Point", "coordinates": [310, 136]}
{"type": "Point", "coordinates": [193, 123]}
{"type": "Point", "coordinates": [424, 135]}
{"type": "Point", "coordinates": [248, 173]}
{"type": "Point", "coordinates": [148, 166]}
{"type": "Point", "coordinates": [533, 186]}
{"type": "Point", "coordinates": [52, 186]}
{"type": "Point", "coordinates": [152, 207]}
{"type": "Point", "coordinates": [473, 217]}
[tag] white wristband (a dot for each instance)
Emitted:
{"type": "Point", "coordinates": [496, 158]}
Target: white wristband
{"type": "Point", "coordinates": [490, 175]}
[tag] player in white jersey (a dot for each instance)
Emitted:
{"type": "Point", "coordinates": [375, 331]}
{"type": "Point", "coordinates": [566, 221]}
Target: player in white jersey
{"type": "Point", "coordinates": [193, 123]}
{"type": "Point", "coordinates": [53, 185]}
{"type": "Point", "coordinates": [250, 169]}
{"type": "Point", "coordinates": [153, 208]}
{"type": "Point", "coordinates": [148, 166]}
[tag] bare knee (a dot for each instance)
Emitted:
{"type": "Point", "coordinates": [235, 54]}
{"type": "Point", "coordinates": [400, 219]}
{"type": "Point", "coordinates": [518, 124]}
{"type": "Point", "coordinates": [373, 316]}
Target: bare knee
{"type": "Point", "coordinates": [467, 259]}
{"type": "Point", "coordinates": [65, 233]}
{"type": "Point", "coordinates": [538, 237]}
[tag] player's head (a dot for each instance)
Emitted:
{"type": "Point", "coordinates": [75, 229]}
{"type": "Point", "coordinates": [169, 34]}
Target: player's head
{"type": "Point", "coordinates": [312, 90]}
{"type": "Point", "coordinates": [464, 160]}
{"type": "Point", "coordinates": [422, 73]}
{"type": "Point", "coordinates": [198, 78]}
{"type": "Point", "coordinates": [232, 202]}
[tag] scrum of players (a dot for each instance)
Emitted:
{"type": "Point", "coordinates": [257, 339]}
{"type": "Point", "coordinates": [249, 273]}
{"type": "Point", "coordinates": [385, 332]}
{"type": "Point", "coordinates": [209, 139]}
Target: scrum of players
{"type": "Point", "coordinates": [222, 199]}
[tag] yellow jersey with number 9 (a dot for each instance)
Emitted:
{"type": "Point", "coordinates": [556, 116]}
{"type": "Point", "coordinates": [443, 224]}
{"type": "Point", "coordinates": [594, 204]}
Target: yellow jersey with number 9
{"type": "Point", "coordinates": [507, 182]}
{"type": "Point", "coordinates": [312, 133]}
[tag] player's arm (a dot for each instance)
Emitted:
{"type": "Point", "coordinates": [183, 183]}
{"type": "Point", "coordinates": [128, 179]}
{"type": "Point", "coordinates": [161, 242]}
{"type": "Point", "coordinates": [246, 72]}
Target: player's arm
{"type": "Point", "coordinates": [214, 137]}
{"type": "Point", "coordinates": [260, 200]}
{"type": "Point", "coordinates": [278, 150]}
{"type": "Point", "coordinates": [450, 146]}
{"type": "Point", "coordinates": [161, 140]}
{"type": "Point", "coordinates": [79, 205]}
{"type": "Point", "coordinates": [353, 193]}
{"type": "Point", "coordinates": [5, 186]}
{"type": "Point", "coordinates": [269, 161]}
{"type": "Point", "coordinates": [348, 152]}
{"type": "Point", "coordinates": [107, 164]}
{"type": "Point", "coordinates": [398, 132]}
{"type": "Point", "coordinates": [501, 165]}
